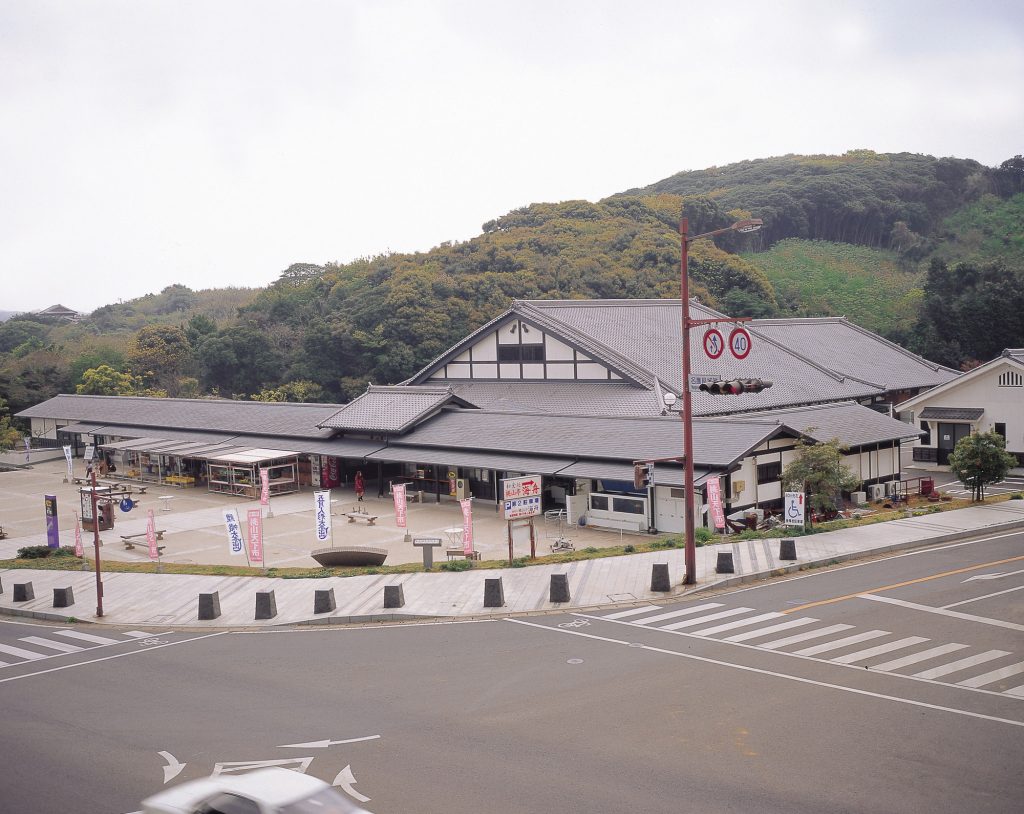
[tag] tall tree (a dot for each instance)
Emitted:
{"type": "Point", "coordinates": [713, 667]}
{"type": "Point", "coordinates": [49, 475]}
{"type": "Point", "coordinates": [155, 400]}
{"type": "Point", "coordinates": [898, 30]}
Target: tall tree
{"type": "Point", "coordinates": [980, 459]}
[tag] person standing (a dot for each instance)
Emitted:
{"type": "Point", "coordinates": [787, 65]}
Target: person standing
{"type": "Point", "coordinates": [360, 485]}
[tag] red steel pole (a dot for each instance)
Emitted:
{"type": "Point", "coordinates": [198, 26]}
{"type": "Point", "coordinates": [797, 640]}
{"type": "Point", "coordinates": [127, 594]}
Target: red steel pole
{"type": "Point", "coordinates": [96, 545]}
{"type": "Point", "coordinates": [690, 554]}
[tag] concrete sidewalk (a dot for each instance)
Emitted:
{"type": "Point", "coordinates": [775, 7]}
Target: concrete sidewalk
{"type": "Point", "coordinates": [172, 600]}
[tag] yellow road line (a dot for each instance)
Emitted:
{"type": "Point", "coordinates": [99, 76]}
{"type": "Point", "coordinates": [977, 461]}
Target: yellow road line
{"type": "Point", "coordinates": [901, 584]}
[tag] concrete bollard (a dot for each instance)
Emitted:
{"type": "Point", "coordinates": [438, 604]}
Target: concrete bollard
{"type": "Point", "coordinates": [725, 565]}
{"type": "Point", "coordinates": [266, 605]}
{"type": "Point", "coordinates": [659, 577]}
{"type": "Point", "coordinates": [559, 587]}
{"type": "Point", "coordinates": [63, 597]}
{"type": "Point", "coordinates": [787, 550]}
{"type": "Point", "coordinates": [209, 605]}
{"type": "Point", "coordinates": [23, 592]}
{"type": "Point", "coordinates": [494, 594]}
{"type": "Point", "coordinates": [323, 601]}
{"type": "Point", "coordinates": [394, 596]}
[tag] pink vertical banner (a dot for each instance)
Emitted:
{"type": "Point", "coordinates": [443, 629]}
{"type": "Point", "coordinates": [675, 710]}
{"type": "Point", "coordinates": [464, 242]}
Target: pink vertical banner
{"type": "Point", "coordinates": [715, 501]}
{"type": "Point", "coordinates": [255, 535]}
{"type": "Point", "coordinates": [154, 552]}
{"type": "Point", "coordinates": [467, 525]}
{"type": "Point", "coordinates": [265, 491]}
{"type": "Point", "coordinates": [79, 550]}
{"type": "Point", "coordinates": [399, 491]}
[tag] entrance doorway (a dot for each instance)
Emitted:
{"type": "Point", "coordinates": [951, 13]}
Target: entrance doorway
{"type": "Point", "coordinates": [949, 434]}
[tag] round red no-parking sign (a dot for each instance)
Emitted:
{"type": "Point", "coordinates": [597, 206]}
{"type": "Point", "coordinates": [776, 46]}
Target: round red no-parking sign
{"type": "Point", "coordinates": [714, 343]}
{"type": "Point", "coordinates": [739, 342]}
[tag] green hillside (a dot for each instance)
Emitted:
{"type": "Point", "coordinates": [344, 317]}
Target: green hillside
{"type": "Point", "coordinates": [818, 278]}
{"type": "Point", "coordinates": [989, 230]}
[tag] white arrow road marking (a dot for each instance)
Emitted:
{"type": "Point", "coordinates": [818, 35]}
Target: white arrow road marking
{"type": "Point", "coordinates": [995, 575]}
{"type": "Point", "coordinates": [325, 744]}
{"type": "Point", "coordinates": [346, 780]}
{"type": "Point", "coordinates": [295, 764]}
{"type": "Point", "coordinates": [173, 768]}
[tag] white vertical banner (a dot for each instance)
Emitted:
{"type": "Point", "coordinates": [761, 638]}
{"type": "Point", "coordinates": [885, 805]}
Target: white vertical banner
{"type": "Point", "coordinates": [90, 451]}
{"type": "Point", "coordinates": [79, 549]}
{"type": "Point", "coordinates": [793, 514]}
{"type": "Point", "coordinates": [322, 514]}
{"type": "Point", "coordinates": [400, 505]}
{"type": "Point", "coordinates": [467, 525]}
{"type": "Point", "coordinates": [67, 456]}
{"type": "Point", "coordinates": [234, 528]}
{"type": "Point", "coordinates": [264, 487]}
{"type": "Point", "coordinates": [714, 489]}
{"type": "Point", "coordinates": [154, 552]}
{"type": "Point", "coordinates": [255, 534]}
{"type": "Point", "coordinates": [28, 449]}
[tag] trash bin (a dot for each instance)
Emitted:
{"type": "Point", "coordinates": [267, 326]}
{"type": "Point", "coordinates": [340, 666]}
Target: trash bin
{"type": "Point", "coordinates": [927, 486]}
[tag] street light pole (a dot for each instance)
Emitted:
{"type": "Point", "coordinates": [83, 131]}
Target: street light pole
{"type": "Point", "coordinates": [747, 225]}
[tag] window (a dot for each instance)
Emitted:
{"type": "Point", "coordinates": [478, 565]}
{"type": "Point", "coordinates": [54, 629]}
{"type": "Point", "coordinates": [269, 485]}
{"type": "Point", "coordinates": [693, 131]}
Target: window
{"type": "Point", "coordinates": [1000, 429]}
{"type": "Point", "coordinates": [769, 473]}
{"type": "Point", "coordinates": [599, 502]}
{"type": "Point", "coordinates": [926, 439]}
{"type": "Point", "coordinates": [628, 505]}
{"type": "Point", "coordinates": [1011, 378]}
{"type": "Point", "coordinates": [520, 353]}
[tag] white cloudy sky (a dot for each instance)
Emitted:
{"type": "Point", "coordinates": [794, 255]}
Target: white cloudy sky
{"type": "Point", "coordinates": [213, 143]}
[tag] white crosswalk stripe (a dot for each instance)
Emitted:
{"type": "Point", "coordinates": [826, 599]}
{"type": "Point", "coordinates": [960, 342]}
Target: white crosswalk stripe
{"type": "Point", "coordinates": [63, 647]}
{"type": "Point", "coordinates": [49, 644]}
{"type": "Point", "coordinates": [28, 655]}
{"type": "Point", "coordinates": [697, 621]}
{"type": "Point", "coordinates": [85, 637]}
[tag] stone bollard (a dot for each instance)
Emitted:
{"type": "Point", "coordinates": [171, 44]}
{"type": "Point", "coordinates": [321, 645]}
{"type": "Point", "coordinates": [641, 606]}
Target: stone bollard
{"type": "Point", "coordinates": [23, 592]}
{"type": "Point", "coordinates": [394, 596]}
{"type": "Point", "coordinates": [724, 565]}
{"type": "Point", "coordinates": [787, 550]}
{"type": "Point", "coordinates": [63, 597]}
{"type": "Point", "coordinates": [494, 594]}
{"type": "Point", "coordinates": [323, 601]}
{"type": "Point", "coordinates": [659, 577]}
{"type": "Point", "coordinates": [266, 605]}
{"type": "Point", "coordinates": [209, 606]}
{"type": "Point", "coordinates": [559, 587]}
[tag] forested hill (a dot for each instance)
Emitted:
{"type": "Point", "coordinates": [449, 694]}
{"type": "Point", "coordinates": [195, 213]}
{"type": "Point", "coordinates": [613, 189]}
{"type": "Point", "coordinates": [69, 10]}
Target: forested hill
{"type": "Point", "coordinates": [915, 247]}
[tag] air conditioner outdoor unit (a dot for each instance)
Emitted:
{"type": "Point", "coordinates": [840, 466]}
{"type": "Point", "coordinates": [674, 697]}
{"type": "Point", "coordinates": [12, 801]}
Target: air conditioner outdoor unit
{"type": "Point", "coordinates": [859, 497]}
{"type": "Point", "coordinates": [876, 491]}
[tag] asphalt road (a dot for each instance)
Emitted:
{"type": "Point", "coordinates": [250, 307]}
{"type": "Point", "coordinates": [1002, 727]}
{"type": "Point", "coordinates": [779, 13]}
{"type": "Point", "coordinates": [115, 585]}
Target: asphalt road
{"type": "Point", "coordinates": [734, 702]}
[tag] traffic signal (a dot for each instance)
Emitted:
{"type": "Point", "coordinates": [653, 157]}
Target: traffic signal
{"type": "Point", "coordinates": [735, 386]}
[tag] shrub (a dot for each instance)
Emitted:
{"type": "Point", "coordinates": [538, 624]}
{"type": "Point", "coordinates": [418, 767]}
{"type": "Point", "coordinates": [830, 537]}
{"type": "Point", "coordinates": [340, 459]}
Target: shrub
{"type": "Point", "coordinates": [465, 565]}
{"type": "Point", "coordinates": [590, 550]}
{"type": "Point", "coordinates": [628, 549]}
{"type": "Point", "coordinates": [520, 562]}
{"type": "Point", "coordinates": [34, 552]}
{"type": "Point", "coordinates": [703, 535]}
{"type": "Point", "coordinates": [1016, 496]}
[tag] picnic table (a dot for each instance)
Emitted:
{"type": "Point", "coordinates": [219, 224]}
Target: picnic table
{"type": "Point", "coordinates": [369, 519]}
{"type": "Point", "coordinates": [131, 540]}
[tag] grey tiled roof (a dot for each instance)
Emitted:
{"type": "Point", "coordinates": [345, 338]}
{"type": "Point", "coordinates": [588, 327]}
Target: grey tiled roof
{"type": "Point", "coordinates": [952, 413]}
{"type": "Point", "coordinates": [391, 409]}
{"type": "Point", "coordinates": [837, 344]}
{"type": "Point", "coordinates": [561, 397]}
{"type": "Point", "coordinates": [224, 415]}
{"type": "Point", "coordinates": [853, 424]}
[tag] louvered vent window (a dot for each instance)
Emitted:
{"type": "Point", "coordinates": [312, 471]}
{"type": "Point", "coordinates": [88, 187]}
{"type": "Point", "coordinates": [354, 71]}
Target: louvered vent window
{"type": "Point", "coordinates": [1011, 379]}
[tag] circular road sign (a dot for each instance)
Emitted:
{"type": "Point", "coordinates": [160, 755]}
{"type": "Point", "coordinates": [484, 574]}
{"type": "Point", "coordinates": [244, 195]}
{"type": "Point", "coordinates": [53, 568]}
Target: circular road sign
{"type": "Point", "coordinates": [714, 343]}
{"type": "Point", "coordinates": [739, 343]}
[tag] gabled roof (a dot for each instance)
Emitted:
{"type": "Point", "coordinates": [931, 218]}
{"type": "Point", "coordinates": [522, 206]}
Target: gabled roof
{"type": "Point", "coordinates": [392, 409]}
{"type": "Point", "coordinates": [952, 413]}
{"type": "Point", "coordinates": [853, 424]}
{"type": "Point", "coordinates": [224, 415]}
{"type": "Point", "coordinates": [1014, 357]}
{"type": "Point", "coordinates": [563, 397]}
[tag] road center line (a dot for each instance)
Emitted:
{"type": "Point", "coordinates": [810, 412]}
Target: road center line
{"type": "Point", "coordinates": [773, 674]}
{"type": "Point", "coordinates": [970, 617]}
{"type": "Point", "coordinates": [108, 658]}
{"type": "Point", "coordinates": [861, 594]}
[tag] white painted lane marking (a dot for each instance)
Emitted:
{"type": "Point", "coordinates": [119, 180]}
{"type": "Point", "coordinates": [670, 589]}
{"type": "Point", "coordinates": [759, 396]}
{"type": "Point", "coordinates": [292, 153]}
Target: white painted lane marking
{"type": "Point", "coordinates": [115, 656]}
{"type": "Point", "coordinates": [674, 614]}
{"type": "Point", "coordinates": [979, 598]}
{"type": "Point", "coordinates": [139, 634]}
{"type": "Point", "coordinates": [631, 612]}
{"type": "Point", "coordinates": [962, 664]}
{"type": "Point", "coordinates": [879, 650]}
{"type": "Point", "coordinates": [773, 674]}
{"type": "Point", "coordinates": [803, 637]}
{"type": "Point", "coordinates": [994, 575]}
{"type": "Point", "coordinates": [994, 676]}
{"type": "Point", "coordinates": [85, 637]}
{"type": "Point", "coordinates": [707, 618]}
{"type": "Point", "coordinates": [324, 744]}
{"type": "Point", "coordinates": [28, 655]}
{"type": "Point", "coordinates": [173, 767]}
{"type": "Point", "coordinates": [768, 631]}
{"type": "Point", "coordinates": [753, 620]}
{"type": "Point", "coordinates": [63, 647]}
{"type": "Point", "coordinates": [915, 658]}
{"type": "Point", "coordinates": [942, 612]}
{"type": "Point", "coordinates": [346, 781]}
{"type": "Point", "coordinates": [1016, 691]}
{"type": "Point", "coordinates": [856, 638]}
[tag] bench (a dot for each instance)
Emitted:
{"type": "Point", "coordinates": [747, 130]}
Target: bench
{"type": "Point", "coordinates": [130, 540]}
{"type": "Point", "coordinates": [455, 553]}
{"type": "Point", "coordinates": [370, 519]}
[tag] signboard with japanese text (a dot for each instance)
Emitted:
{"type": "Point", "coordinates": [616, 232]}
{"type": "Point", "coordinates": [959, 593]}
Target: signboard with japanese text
{"type": "Point", "coordinates": [714, 490]}
{"type": "Point", "coordinates": [521, 496]}
{"type": "Point", "coordinates": [793, 513]}
{"type": "Point", "coordinates": [67, 456]}
{"type": "Point", "coordinates": [521, 507]}
{"type": "Point", "coordinates": [52, 529]}
{"type": "Point", "coordinates": [401, 517]}
{"type": "Point", "coordinates": [79, 548]}
{"type": "Point", "coordinates": [467, 525]}
{"type": "Point", "coordinates": [255, 517]}
{"type": "Point", "coordinates": [264, 487]}
{"type": "Point", "coordinates": [234, 529]}
{"type": "Point", "coordinates": [154, 551]}
{"type": "Point", "coordinates": [322, 514]}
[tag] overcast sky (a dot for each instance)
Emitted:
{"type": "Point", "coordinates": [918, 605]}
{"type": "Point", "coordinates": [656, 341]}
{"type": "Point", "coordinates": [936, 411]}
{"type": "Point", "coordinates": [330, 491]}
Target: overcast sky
{"type": "Point", "coordinates": [214, 143]}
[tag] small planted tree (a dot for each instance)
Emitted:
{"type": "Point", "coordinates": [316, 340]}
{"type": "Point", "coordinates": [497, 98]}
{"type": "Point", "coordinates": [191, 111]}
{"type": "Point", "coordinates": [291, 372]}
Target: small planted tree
{"type": "Point", "coordinates": [819, 471]}
{"type": "Point", "coordinates": [980, 459]}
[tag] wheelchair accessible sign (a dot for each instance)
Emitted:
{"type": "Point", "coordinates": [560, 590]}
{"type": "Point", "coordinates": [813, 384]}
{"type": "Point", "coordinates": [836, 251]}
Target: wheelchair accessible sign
{"type": "Point", "coordinates": [794, 509]}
